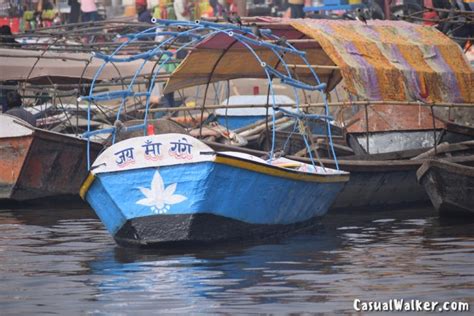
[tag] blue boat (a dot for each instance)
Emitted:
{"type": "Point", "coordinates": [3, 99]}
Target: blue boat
{"type": "Point", "coordinates": [172, 188]}
{"type": "Point", "coordinates": [168, 189]}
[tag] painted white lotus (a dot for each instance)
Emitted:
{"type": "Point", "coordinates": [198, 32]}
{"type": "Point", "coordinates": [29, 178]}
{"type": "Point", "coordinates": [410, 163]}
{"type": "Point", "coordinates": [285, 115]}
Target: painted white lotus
{"type": "Point", "coordinates": [158, 197]}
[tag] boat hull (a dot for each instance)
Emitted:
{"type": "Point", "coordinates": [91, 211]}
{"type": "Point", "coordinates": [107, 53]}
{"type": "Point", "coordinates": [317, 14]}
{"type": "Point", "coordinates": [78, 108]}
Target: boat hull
{"type": "Point", "coordinates": [379, 190]}
{"type": "Point", "coordinates": [36, 164]}
{"type": "Point", "coordinates": [193, 229]}
{"type": "Point", "coordinates": [237, 196]}
{"type": "Point", "coordinates": [390, 141]}
{"type": "Point", "coordinates": [450, 187]}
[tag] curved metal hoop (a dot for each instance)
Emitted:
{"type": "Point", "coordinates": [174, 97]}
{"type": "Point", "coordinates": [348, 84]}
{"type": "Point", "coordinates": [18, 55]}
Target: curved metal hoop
{"type": "Point", "coordinates": [183, 35]}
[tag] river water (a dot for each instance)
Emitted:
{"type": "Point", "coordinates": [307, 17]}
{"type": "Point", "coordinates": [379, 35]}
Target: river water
{"type": "Point", "coordinates": [62, 261]}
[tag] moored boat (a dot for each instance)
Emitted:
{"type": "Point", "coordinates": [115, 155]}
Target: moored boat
{"type": "Point", "coordinates": [156, 190]}
{"type": "Point", "coordinates": [449, 185]}
{"type": "Point", "coordinates": [36, 163]}
{"type": "Point", "coordinates": [377, 184]}
{"type": "Point", "coordinates": [173, 189]}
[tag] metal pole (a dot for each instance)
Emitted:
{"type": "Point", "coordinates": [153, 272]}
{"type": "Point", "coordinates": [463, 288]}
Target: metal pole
{"type": "Point", "coordinates": [434, 131]}
{"type": "Point", "coordinates": [386, 9]}
{"type": "Point", "coordinates": [367, 126]}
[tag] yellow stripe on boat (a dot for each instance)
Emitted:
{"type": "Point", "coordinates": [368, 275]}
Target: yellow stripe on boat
{"type": "Point", "coordinates": [86, 185]}
{"type": "Point", "coordinates": [278, 172]}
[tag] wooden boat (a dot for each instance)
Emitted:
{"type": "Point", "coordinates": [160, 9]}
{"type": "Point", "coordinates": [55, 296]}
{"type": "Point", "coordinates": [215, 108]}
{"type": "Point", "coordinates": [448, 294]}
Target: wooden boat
{"type": "Point", "coordinates": [390, 128]}
{"type": "Point", "coordinates": [178, 190]}
{"type": "Point", "coordinates": [449, 185]}
{"type": "Point", "coordinates": [36, 163]}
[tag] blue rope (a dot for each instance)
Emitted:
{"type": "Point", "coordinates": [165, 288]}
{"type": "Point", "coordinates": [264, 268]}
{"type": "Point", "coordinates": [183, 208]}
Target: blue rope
{"type": "Point", "coordinates": [304, 116]}
{"type": "Point", "coordinates": [292, 82]}
{"type": "Point", "coordinates": [146, 55]}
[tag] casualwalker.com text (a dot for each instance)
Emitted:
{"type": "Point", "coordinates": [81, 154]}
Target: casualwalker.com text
{"type": "Point", "coordinates": [410, 305]}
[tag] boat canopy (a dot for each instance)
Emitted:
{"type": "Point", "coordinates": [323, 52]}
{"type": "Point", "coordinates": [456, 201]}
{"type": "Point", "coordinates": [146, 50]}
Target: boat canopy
{"type": "Point", "coordinates": [223, 58]}
{"type": "Point", "coordinates": [383, 60]}
{"type": "Point", "coordinates": [58, 67]}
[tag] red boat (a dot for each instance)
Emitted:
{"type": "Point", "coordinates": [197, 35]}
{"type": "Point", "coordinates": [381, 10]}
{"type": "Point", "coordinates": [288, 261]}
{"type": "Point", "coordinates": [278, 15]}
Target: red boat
{"type": "Point", "coordinates": [36, 163]}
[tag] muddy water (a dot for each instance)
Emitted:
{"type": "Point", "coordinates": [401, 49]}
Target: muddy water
{"type": "Point", "coordinates": [63, 262]}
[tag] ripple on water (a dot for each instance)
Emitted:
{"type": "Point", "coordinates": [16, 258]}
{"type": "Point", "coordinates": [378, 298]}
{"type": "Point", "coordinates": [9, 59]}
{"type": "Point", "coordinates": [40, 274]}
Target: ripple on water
{"type": "Point", "coordinates": [68, 264]}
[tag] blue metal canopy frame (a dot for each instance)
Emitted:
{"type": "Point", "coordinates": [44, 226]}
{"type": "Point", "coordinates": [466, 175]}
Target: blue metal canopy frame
{"type": "Point", "coordinates": [195, 33]}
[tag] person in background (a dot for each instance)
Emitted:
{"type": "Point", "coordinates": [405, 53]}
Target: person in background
{"type": "Point", "coordinates": [14, 108]}
{"type": "Point", "coordinates": [7, 37]}
{"type": "Point", "coordinates": [3, 93]}
{"type": "Point", "coordinates": [143, 13]}
{"type": "Point", "coordinates": [216, 7]}
{"type": "Point", "coordinates": [75, 11]}
{"type": "Point", "coordinates": [89, 11]}
{"type": "Point", "coordinates": [48, 14]}
{"type": "Point", "coordinates": [181, 9]}
{"type": "Point", "coordinates": [296, 7]}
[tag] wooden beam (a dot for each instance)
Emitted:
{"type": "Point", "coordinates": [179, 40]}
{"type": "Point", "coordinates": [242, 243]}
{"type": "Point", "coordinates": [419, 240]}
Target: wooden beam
{"type": "Point", "coordinates": [296, 41]}
{"type": "Point", "coordinates": [313, 66]}
{"type": "Point", "coordinates": [316, 105]}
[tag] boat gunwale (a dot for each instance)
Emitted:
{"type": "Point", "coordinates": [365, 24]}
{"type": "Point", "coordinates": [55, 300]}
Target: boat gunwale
{"type": "Point", "coordinates": [449, 166]}
{"type": "Point", "coordinates": [278, 171]}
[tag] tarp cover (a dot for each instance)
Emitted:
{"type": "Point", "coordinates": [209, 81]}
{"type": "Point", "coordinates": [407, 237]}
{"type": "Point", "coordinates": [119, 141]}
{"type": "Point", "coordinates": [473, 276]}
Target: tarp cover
{"type": "Point", "coordinates": [23, 65]}
{"type": "Point", "coordinates": [222, 58]}
{"type": "Point", "coordinates": [394, 60]}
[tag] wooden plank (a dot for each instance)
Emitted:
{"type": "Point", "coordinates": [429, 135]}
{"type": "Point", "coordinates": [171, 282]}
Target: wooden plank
{"type": "Point", "coordinates": [446, 148]}
{"type": "Point", "coordinates": [460, 129]}
{"type": "Point", "coordinates": [313, 66]}
{"type": "Point", "coordinates": [394, 155]}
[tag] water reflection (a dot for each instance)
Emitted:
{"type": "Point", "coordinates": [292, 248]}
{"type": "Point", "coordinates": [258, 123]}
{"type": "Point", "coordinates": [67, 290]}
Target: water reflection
{"type": "Point", "coordinates": [66, 263]}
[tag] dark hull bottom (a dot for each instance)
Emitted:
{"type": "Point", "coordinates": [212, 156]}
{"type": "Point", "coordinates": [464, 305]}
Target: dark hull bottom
{"type": "Point", "coordinates": [380, 190]}
{"type": "Point", "coordinates": [450, 209]}
{"type": "Point", "coordinates": [450, 187]}
{"type": "Point", "coordinates": [193, 229]}
{"type": "Point", "coordinates": [450, 195]}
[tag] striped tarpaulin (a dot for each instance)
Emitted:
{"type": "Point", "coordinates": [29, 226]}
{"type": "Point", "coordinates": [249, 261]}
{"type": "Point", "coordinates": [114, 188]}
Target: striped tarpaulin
{"type": "Point", "coordinates": [394, 60]}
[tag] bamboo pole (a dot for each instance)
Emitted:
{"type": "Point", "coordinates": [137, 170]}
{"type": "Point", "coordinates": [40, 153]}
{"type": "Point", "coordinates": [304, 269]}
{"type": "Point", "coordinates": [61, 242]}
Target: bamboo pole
{"type": "Point", "coordinates": [448, 20]}
{"type": "Point", "coordinates": [262, 127]}
{"type": "Point", "coordinates": [450, 10]}
{"type": "Point", "coordinates": [434, 131]}
{"type": "Point", "coordinates": [44, 57]}
{"type": "Point", "coordinates": [63, 86]}
{"type": "Point", "coordinates": [295, 41]}
{"type": "Point", "coordinates": [367, 127]}
{"type": "Point", "coordinates": [313, 66]}
{"type": "Point", "coordinates": [317, 105]}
